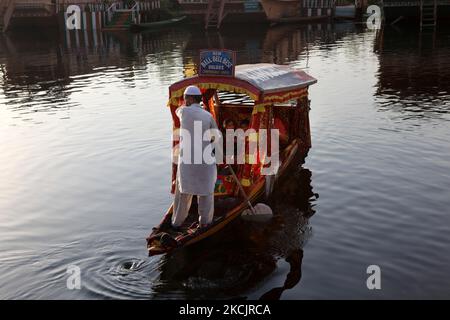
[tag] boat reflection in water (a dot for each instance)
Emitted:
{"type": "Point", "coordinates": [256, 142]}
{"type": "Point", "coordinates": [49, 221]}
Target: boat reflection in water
{"type": "Point", "coordinates": [235, 262]}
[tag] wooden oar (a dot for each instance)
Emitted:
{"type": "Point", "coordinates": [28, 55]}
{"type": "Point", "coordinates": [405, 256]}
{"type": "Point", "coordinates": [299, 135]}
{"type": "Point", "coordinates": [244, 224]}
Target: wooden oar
{"type": "Point", "coordinates": [258, 209]}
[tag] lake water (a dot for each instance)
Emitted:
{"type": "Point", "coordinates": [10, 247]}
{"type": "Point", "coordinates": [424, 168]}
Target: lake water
{"type": "Point", "coordinates": [85, 167]}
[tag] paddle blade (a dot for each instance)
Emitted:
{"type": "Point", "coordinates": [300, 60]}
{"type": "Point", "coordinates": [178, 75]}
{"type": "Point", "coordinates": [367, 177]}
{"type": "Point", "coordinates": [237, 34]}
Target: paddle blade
{"type": "Point", "coordinates": [262, 213]}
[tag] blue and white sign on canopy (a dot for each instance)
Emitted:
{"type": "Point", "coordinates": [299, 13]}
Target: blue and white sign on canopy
{"type": "Point", "coordinates": [217, 63]}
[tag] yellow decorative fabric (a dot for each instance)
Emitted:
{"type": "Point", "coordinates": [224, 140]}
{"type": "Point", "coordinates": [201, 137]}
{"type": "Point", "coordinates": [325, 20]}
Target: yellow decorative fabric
{"type": "Point", "coordinates": [260, 107]}
{"type": "Point", "coordinates": [268, 99]}
{"type": "Point", "coordinates": [286, 96]}
{"type": "Point", "coordinates": [212, 85]}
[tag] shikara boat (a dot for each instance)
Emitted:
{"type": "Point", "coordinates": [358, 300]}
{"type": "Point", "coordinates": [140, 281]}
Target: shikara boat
{"type": "Point", "coordinates": [267, 95]}
{"type": "Point", "coordinates": [156, 24]}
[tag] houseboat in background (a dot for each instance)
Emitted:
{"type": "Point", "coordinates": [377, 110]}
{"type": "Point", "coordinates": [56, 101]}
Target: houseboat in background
{"type": "Point", "coordinates": [424, 12]}
{"type": "Point", "coordinates": [115, 15]}
{"type": "Point", "coordinates": [26, 13]}
{"type": "Point", "coordinates": [213, 13]}
{"type": "Point", "coordinates": [95, 14]}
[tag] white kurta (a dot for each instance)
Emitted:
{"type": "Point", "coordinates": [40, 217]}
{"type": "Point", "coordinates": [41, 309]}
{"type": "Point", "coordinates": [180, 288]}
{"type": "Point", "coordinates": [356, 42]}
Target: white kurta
{"type": "Point", "coordinates": [195, 175]}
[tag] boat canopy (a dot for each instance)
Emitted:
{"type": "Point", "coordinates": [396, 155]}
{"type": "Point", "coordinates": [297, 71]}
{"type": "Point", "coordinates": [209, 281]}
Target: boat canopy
{"type": "Point", "coordinates": [263, 82]}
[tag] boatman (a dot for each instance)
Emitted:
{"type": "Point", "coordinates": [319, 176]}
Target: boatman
{"type": "Point", "coordinates": [197, 172]}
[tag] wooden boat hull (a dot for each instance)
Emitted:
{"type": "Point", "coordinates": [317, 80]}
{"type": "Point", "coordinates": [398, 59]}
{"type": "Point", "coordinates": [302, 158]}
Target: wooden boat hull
{"type": "Point", "coordinates": [155, 242]}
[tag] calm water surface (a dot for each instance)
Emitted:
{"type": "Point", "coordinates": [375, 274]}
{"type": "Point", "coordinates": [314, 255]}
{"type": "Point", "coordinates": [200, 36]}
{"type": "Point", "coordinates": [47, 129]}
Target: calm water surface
{"type": "Point", "coordinates": [85, 168]}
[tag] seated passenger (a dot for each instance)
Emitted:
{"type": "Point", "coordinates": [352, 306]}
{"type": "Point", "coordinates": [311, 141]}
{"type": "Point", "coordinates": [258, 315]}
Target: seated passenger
{"type": "Point", "coordinates": [228, 124]}
{"type": "Point", "coordinates": [244, 124]}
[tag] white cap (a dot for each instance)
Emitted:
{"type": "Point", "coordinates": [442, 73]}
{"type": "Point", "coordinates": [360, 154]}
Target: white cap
{"type": "Point", "coordinates": [192, 91]}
